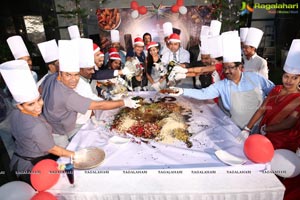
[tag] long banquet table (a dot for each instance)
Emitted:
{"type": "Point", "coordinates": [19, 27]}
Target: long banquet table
{"type": "Point", "coordinates": [155, 170]}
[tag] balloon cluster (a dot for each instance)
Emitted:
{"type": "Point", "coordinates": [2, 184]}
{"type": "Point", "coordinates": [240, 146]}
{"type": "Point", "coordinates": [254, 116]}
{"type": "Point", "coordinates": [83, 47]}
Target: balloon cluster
{"type": "Point", "coordinates": [283, 162]}
{"type": "Point", "coordinates": [137, 10]}
{"type": "Point", "coordinates": [179, 7]}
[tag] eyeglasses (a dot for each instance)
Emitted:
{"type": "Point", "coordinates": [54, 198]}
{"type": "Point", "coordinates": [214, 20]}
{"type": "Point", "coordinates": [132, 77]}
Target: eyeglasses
{"type": "Point", "coordinates": [231, 68]}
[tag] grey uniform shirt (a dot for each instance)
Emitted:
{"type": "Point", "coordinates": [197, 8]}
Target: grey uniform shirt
{"type": "Point", "coordinates": [61, 105]}
{"type": "Point", "coordinates": [33, 138]}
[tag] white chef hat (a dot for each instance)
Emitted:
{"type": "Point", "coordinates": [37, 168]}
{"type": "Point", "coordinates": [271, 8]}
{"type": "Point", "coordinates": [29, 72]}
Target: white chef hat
{"type": "Point", "coordinates": [204, 32]}
{"type": "Point", "coordinates": [115, 36]}
{"type": "Point", "coordinates": [233, 33]}
{"type": "Point", "coordinates": [204, 49]}
{"type": "Point", "coordinates": [167, 28]}
{"type": "Point", "coordinates": [243, 33]}
{"type": "Point", "coordinates": [215, 46]}
{"type": "Point", "coordinates": [254, 36]}
{"type": "Point", "coordinates": [68, 55]}
{"type": "Point", "coordinates": [292, 62]}
{"type": "Point", "coordinates": [19, 80]}
{"type": "Point", "coordinates": [49, 50]}
{"type": "Point", "coordinates": [85, 53]}
{"type": "Point", "coordinates": [17, 46]}
{"type": "Point", "coordinates": [215, 27]}
{"type": "Point", "coordinates": [231, 47]}
{"type": "Point", "coordinates": [74, 32]}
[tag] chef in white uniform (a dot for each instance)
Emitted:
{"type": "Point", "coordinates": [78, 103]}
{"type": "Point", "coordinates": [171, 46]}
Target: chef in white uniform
{"type": "Point", "coordinates": [252, 61]}
{"type": "Point", "coordinates": [87, 69]}
{"type": "Point", "coordinates": [20, 52]}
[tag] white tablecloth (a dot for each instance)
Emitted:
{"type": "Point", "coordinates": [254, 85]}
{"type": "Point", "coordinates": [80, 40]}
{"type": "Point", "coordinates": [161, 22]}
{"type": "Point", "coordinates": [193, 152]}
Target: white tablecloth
{"type": "Point", "coordinates": [170, 171]}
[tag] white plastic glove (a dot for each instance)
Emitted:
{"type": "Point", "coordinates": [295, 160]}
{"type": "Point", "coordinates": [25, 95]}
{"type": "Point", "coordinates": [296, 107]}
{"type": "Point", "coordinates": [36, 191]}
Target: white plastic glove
{"type": "Point", "coordinates": [130, 103]}
{"type": "Point", "coordinates": [156, 86]}
{"type": "Point", "coordinates": [171, 76]}
{"type": "Point", "coordinates": [262, 129]}
{"type": "Point", "coordinates": [179, 69]}
{"type": "Point", "coordinates": [243, 135]}
{"type": "Point", "coordinates": [80, 155]}
{"type": "Point", "coordinates": [126, 71]}
{"type": "Point", "coordinates": [179, 76]}
{"type": "Point", "coordinates": [179, 91]}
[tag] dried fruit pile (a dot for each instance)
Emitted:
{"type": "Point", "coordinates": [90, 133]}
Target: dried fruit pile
{"type": "Point", "coordinates": [161, 121]}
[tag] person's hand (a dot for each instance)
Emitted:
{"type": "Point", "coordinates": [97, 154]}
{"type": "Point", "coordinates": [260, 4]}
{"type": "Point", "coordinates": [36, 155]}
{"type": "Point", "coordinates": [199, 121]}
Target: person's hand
{"type": "Point", "coordinates": [79, 156]}
{"type": "Point", "coordinates": [179, 69]}
{"type": "Point", "coordinates": [156, 86]}
{"type": "Point", "coordinates": [243, 135]}
{"type": "Point", "coordinates": [177, 91]}
{"type": "Point", "coordinates": [130, 103]}
{"type": "Point", "coordinates": [105, 94]}
{"type": "Point", "coordinates": [126, 71]}
{"type": "Point", "coordinates": [179, 76]}
{"type": "Point", "coordinates": [262, 129]}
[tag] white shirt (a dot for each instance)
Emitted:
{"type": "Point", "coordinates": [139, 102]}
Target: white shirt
{"type": "Point", "coordinates": [84, 89]}
{"type": "Point", "coordinates": [256, 64]}
{"type": "Point", "coordinates": [182, 55]}
{"type": "Point", "coordinates": [42, 79]}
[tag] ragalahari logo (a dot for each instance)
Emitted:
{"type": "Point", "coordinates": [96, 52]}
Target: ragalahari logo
{"type": "Point", "coordinates": [246, 9]}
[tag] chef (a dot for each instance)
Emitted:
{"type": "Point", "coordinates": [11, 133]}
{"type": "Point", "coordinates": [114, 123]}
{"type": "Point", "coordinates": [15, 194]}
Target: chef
{"type": "Point", "coordinates": [252, 61]}
{"type": "Point", "coordinates": [62, 103]}
{"type": "Point", "coordinates": [20, 52]}
{"type": "Point", "coordinates": [241, 92]}
{"type": "Point", "coordinates": [243, 35]}
{"type": "Point", "coordinates": [49, 51]}
{"type": "Point", "coordinates": [32, 134]}
{"type": "Point", "coordinates": [87, 69]}
{"type": "Point", "coordinates": [167, 30]}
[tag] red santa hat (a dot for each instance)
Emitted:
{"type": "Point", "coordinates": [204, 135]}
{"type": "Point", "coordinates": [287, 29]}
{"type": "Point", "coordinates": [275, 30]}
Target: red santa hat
{"type": "Point", "coordinates": [112, 51]}
{"type": "Point", "coordinates": [96, 48]}
{"type": "Point", "coordinates": [174, 38]}
{"type": "Point", "coordinates": [152, 44]}
{"type": "Point", "coordinates": [115, 57]}
{"type": "Point", "coordinates": [138, 41]}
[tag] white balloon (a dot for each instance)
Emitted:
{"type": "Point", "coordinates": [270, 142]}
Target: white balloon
{"type": "Point", "coordinates": [182, 10]}
{"type": "Point", "coordinates": [285, 163]}
{"type": "Point", "coordinates": [17, 190]}
{"type": "Point", "coordinates": [135, 14]}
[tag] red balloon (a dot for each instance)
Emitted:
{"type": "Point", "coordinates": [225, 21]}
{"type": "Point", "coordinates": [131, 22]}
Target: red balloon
{"type": "Point", "coordinates": [180, 3]}
{"type": "Point", "coordinates": [258, 148]}
{"type": "Point", "coordinates": [142, 10]}
{"type": "Point", "coordinates": [45, 174]}
{"type": "Point", "coordinates": [134, 5]}
{"type": "Point", "coordinates": [43, 196]}
{"type": "Point", "coordinates": [175, 8]}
